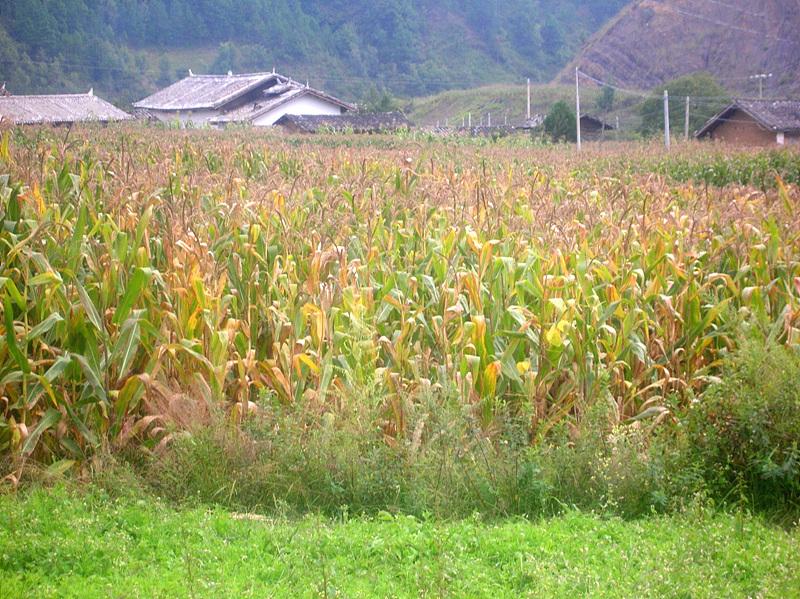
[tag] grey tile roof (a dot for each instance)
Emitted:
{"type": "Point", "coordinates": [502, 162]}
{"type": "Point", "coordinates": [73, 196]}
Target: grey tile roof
{"type": "Point", "coordinates": [59, 109]}
{"type": "Point", "coordinates": [775, 115]}
{"type": "Point", "coordinates": [197, 92]}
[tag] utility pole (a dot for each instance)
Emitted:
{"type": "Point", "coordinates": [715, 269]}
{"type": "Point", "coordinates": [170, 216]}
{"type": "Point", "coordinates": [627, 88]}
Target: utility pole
{"type": "Point", "coordinates": [528, 113]}
{"type": "Point", "coordinates": [666, 119]}
{"type": "Point", "coordinates": [686, 121]}
{"type": "Point", "coordinates": [469, 120]}
{"type": "Point", "coordinates": [489, 117]}
{"type": "Point", "coordinates": [761, 77]}
{"type": "Point", "coordinates": [578, 107]}
{"type": "Point", "coordinates": [617, 130]}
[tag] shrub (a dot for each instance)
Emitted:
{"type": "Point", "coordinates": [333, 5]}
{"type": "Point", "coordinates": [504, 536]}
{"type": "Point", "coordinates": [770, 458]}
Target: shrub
{"type": "Point", "coordinates": [745, 430]}
{"type": "Point", "coordinates": [608, 467]}
{"type": "Point", "coordinates": [561, 123]}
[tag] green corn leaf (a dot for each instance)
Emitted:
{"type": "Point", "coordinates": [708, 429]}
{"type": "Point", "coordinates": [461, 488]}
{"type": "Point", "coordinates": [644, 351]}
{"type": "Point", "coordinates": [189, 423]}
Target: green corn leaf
{"type": "Point", "coordinates": [81, 427]}
{"type": "Point", "coordinates": [44, 382]}
{"type": "Point", "coordinates": [8, 285]}
{"type": "Point", "coordinates": [91, 310]}
{"type": "Point", "coordinates": [126, 346]}
{"type": "Point", "coordinates": [44, 326]}
{"type": "Point", "coordinates": [49, 420]}
{"type": "Point", "coordinates": [93, 377]}
{"type": "Point", "coordinates": [74, 252]}
{"type": "Point", "coordinates": [141, 277]}
{"type": "Point", "coordinates": [11, 338]}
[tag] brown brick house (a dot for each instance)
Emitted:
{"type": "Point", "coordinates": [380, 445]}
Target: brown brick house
{"type": "Point", "coordinates": [755, 123]}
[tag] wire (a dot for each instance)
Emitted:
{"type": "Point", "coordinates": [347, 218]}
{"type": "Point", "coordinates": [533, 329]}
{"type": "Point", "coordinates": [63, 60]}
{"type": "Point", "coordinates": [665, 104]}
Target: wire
{"type": "Point", "coordinates": [615, 87]}
{"type": "Point", "coordinates": [727, 25]}
{"type": "Point", "coordinates": [652, 96]}
{"type": "Point", "coordinates": [760, 15]}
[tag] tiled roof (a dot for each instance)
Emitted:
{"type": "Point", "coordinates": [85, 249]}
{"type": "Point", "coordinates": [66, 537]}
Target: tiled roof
{"type": "Point", "coordinates": [775, 115]}
{"type": "Point", "coordinates": [56, 109]}
{"type": "Point", "coordinates": [197, 92]}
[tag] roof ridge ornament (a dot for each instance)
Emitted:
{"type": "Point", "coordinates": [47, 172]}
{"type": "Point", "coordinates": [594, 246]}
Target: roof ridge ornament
{"type": "Point", "coordinates": [190, 73]}
{"type": "Point", "coordinates": [91, 91]}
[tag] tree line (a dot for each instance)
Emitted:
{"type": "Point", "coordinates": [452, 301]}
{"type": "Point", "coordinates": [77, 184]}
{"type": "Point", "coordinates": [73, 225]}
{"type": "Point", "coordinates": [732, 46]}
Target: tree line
{"type": "Point", "coordinates": [410, 47]}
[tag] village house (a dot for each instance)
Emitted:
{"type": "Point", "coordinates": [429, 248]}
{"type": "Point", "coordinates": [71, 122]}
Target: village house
{"type": "Point", "coordinates": [593, 128]}
{"type": "Point", "coordinates": [62, 109]}
{"type": "Point", "coordinates": [755, 123]}
{"type": "Point", "coordinates": [257, 99]}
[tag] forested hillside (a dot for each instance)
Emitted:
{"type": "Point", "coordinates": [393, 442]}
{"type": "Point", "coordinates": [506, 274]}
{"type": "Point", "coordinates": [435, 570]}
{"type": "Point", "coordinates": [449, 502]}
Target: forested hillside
{"type": "Point", "coordinates": [125, 48]}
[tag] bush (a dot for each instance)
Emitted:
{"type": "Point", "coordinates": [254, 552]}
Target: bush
{"type": "Point", "coordinates": [560, 123]}
{"type": "Point", "coordinates": [612, 468]}
{"type": "Point", "coordinates": [744, 431]}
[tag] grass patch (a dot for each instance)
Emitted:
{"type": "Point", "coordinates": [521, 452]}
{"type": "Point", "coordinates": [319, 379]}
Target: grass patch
{"type": "Point", "coordinates": [66, 543]}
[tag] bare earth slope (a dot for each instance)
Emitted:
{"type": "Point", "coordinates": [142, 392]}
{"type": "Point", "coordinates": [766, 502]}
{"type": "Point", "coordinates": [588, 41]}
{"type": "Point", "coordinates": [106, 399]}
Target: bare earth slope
{"type": "Point", "coordinates": [653, 41]}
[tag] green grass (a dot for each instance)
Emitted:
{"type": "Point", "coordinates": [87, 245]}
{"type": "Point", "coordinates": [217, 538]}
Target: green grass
{"type": "Point", "coordinates": [68, 543]}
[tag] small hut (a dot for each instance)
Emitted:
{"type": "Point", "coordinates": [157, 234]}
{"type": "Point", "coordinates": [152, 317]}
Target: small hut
{"type": "Point", "coordinates": [593, 128]}
{"type": "Point", "coordinates": [755, 123]}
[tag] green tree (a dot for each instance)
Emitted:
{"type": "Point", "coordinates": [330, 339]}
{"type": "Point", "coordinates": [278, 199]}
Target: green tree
{"type": "Point", "coordinates": [605, 103]}
{"type": "Point", "coordinates": [707, 97]}
{"type": "Point", "coordinates": [560, 123]}
{"type": "Point", "coordinates": [227, 58]}
{"type": "Point", "coordinates": [379, 101]}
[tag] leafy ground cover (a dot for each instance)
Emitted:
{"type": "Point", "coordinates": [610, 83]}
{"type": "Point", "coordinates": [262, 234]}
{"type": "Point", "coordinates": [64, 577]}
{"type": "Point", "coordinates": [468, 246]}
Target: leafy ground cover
{"type": "Point", "coordinates": [85, 544]}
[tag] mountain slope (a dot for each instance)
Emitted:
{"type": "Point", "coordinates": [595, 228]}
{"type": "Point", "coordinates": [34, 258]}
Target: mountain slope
{"type": "Point", "coordinates": [653, 41]}
{"type": "Point", "coordinates": [125, 48]}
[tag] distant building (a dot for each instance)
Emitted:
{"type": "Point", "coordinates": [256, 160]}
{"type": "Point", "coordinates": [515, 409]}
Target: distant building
{"type": "Point", "coordinates": [63, 109]}
{"type": "Point", "coordinates": [536, 121]}
{"type": "Point", "coordinates": [357, 123]}
{"type": "Point", "coordinates": [258, 99]}
{"type": "Point", "coordinates": [755, 123]}
{"type": "Point", "coordinates": [593, 128]}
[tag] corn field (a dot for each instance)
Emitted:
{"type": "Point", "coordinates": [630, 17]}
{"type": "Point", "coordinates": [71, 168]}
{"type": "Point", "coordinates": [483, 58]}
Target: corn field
{"type": "Point", "coordinates": [149, 276]}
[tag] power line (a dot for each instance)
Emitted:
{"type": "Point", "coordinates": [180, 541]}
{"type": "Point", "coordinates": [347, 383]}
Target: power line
{"type": "Point", "coordinates": [649, 95]}
{"type": "Point", "coordinates": [760, 15]}
{"type": "Point", "coordinates": [728, 25]}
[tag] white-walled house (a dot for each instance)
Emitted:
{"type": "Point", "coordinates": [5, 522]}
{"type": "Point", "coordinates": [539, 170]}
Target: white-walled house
{"type": "Point", "coordinates": [258, 99]}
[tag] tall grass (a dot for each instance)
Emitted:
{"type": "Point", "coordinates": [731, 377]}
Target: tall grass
{"type": "Point", "coordinates": [149, 278]}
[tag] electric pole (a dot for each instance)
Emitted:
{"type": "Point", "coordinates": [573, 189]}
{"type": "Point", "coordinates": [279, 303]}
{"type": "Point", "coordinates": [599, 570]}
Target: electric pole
{"type": "Point", "coordinates": [529, 100]}
{"type": "Point", "coordinates": [686, 121]}
{"type": "Point", "coordinates": [578, 106]}
{"type": "Point", "coordinates": [761, 77]}
{"type": "Point", "coordinates": [666, 119]}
